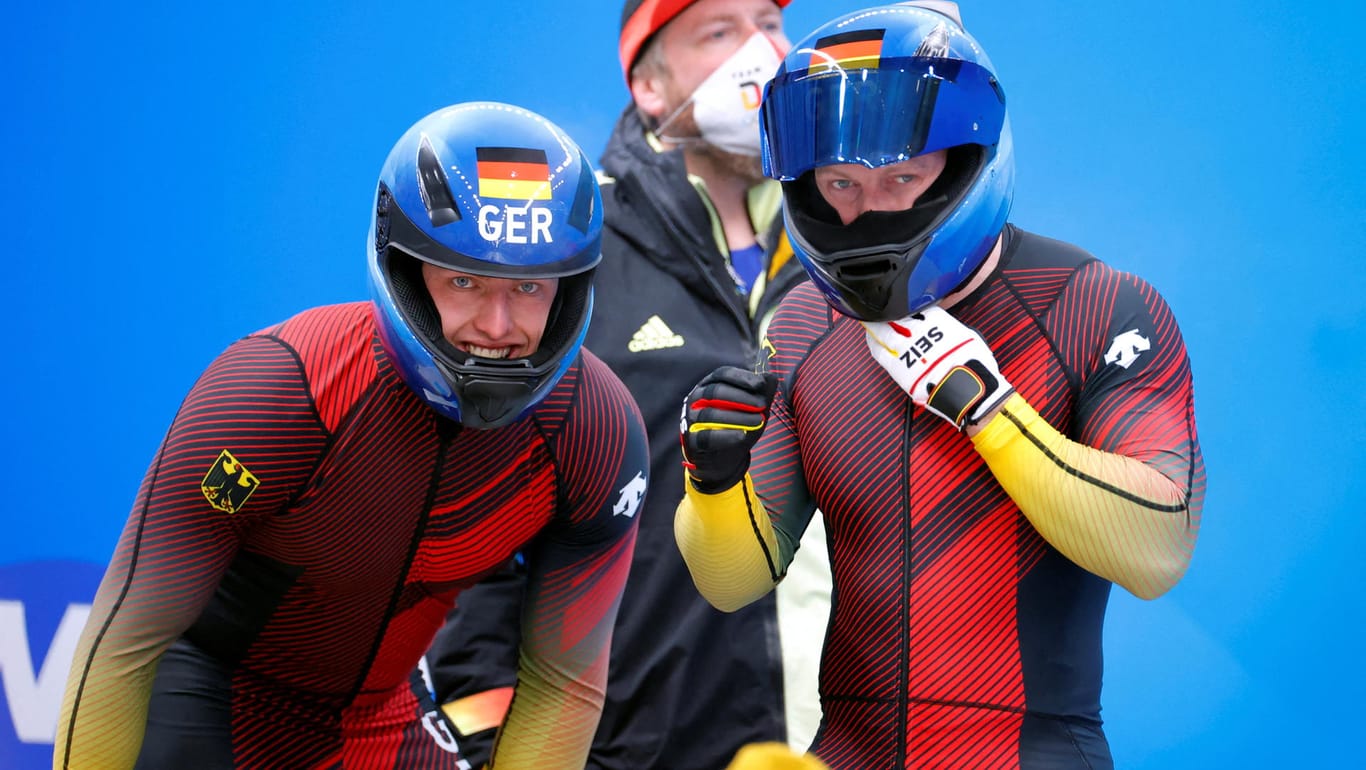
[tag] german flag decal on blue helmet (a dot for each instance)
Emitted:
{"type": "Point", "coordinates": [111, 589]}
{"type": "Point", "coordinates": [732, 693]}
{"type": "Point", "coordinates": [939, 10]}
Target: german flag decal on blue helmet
{"type": "Point", "coordinates": [859, 49]}
{"type": "Point", "coordinates": [513, 173]}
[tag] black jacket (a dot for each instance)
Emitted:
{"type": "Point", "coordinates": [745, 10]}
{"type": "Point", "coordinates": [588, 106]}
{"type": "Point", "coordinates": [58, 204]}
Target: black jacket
{"type": "Point", "coordinates": [687, 684]}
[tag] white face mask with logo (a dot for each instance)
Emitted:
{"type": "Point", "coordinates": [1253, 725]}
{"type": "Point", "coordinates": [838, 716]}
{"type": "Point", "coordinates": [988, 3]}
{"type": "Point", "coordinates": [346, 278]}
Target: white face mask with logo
{"type": "Point", "coordinates": [725, 106]}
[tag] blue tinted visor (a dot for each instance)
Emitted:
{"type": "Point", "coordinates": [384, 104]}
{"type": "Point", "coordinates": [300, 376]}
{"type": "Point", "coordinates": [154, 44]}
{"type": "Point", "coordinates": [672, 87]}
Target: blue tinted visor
{"type": "Point", "coordinates": [905, 107]}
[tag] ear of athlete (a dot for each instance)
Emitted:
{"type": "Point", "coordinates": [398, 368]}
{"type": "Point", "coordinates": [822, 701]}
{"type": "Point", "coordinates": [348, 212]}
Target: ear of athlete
{"type": "Point", "coordinates": [723, 417]}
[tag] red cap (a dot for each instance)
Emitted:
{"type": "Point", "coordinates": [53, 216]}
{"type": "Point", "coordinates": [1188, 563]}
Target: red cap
{"type": "Point", "coordinates": [640, 19]}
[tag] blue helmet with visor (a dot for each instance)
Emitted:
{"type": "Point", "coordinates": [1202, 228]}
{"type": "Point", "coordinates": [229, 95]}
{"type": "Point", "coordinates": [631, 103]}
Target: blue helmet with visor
{"type": "Point", "coordinates": [877, 87]}
{"type": "Point", "coordinates": [493, 190]}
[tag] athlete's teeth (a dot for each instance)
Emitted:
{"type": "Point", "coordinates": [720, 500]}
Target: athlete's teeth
{"type": "Point", "coordinates": [490, 352]}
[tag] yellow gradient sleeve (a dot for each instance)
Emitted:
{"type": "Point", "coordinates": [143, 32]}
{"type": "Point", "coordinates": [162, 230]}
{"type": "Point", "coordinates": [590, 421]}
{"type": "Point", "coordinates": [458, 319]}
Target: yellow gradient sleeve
{"type": "Point", "coordinates": [728, 544]}
{"type": "Point", "coordinates": [552, 717]}
{"type": "Point", "coordinates": [104, 707]}
{"type": "Point", "coordinates": [1108, 513]}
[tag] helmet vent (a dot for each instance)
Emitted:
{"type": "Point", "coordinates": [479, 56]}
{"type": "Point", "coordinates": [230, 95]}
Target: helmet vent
{"type": "Point", "coordinates": [382, 202]}
{"type": "Point", "coordinates": [432, 184]}
{"type": "Point", "coordinates": [581, 211]}
{"type": "Point", "coordinates": [863, 269]}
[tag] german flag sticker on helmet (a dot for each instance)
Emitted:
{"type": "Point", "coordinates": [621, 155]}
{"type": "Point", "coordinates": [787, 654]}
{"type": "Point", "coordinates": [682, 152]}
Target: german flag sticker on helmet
{"type": "Point", "coordinates": [513, 173]}
{"type": "Point", "coordinates": [858, 49]}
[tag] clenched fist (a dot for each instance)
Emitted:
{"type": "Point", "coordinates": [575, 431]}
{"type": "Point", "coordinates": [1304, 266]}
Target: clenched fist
{"type": "Point", "coordinates": [723, 417]}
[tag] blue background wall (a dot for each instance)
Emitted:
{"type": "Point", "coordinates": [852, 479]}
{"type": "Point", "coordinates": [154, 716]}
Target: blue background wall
{"type": "Point", "coordinates": [177, 177]}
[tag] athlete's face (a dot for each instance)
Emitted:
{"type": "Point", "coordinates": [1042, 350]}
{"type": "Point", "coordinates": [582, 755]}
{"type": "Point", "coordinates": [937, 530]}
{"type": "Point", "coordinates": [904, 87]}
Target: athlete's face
{"type": "Point", "coordinates": [490, 317]}
{"type": "Point", "coordinates": [852, 189]}
{"type": "Point", "coordinates": [695, 42]}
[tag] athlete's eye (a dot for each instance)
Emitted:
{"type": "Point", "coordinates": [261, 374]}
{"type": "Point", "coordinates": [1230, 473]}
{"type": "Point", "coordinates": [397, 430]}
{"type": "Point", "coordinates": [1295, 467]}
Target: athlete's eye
{"type": "Point", "coordinates": [529, 287]}
{"type": "Point", "coordinates": [462, 282]}
{"type": "Point", "coordinates": [716, 31]}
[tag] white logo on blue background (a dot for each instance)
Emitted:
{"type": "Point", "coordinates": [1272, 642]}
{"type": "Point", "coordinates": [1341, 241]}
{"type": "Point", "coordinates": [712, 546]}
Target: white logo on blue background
{"type": "Point", "coordinates": [43, 607]}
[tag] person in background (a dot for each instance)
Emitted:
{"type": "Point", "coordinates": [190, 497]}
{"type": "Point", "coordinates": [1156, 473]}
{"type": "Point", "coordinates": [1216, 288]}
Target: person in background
{"type": "Point", "coordinates": [694, 261]}
{"type": "Point", "coordinates": [332, 482]}
{"type": "Point", "coordinates": [997, 427]}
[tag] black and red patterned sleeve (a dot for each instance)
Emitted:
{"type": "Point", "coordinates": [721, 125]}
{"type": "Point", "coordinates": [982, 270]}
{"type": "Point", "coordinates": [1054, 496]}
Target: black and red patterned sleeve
{"type": "Point", "coordinates": [242, 443]}
{"type": "Point", "coordinates": [577, 570]}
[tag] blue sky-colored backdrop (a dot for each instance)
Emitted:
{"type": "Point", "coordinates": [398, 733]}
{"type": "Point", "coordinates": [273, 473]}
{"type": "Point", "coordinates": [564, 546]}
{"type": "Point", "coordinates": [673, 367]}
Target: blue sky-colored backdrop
{"type": "Point", "coordinates": [177, 175]}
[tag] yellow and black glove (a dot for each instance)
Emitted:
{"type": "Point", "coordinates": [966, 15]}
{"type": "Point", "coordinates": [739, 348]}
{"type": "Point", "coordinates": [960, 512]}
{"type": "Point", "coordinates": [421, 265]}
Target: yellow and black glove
{"type": "Point", "coordinates": [723, 417]}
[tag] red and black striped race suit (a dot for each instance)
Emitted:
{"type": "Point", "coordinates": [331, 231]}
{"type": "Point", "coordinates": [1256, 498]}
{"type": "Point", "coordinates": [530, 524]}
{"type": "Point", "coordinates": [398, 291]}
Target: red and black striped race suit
{"type": "Point", "coordinates": [959, 636]}
{"type": "Point", "coordinates": [301, 535]}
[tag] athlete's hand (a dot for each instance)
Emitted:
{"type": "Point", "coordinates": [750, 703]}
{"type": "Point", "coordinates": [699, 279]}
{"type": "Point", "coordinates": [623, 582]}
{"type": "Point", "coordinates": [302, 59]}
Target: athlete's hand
{"type": "Point", "coordinates": [944, 365]}
{"type": "Point", "coordinates": [722, 418]}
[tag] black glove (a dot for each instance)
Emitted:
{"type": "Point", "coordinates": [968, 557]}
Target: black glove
{"type": "Point", "coordinates": [722, 419]}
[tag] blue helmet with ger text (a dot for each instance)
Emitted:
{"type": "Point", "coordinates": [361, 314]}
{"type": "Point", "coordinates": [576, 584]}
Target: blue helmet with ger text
{"type": "Point", "coordinates": [877, 87]}
{"type": "Point", "coordinates": [494, 190]}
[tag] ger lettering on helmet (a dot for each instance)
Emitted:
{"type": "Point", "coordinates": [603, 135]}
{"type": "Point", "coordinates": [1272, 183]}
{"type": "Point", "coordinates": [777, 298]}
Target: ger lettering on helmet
{"type": "Point", "coordinates": [487, 189]}
{"type": "Point", "coordinates": [876, 87]}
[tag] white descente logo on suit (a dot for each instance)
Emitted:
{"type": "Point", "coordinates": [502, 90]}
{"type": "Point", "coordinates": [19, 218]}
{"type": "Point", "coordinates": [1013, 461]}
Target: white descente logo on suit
{"type": "Point", "coordinates": [1126, 348]}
